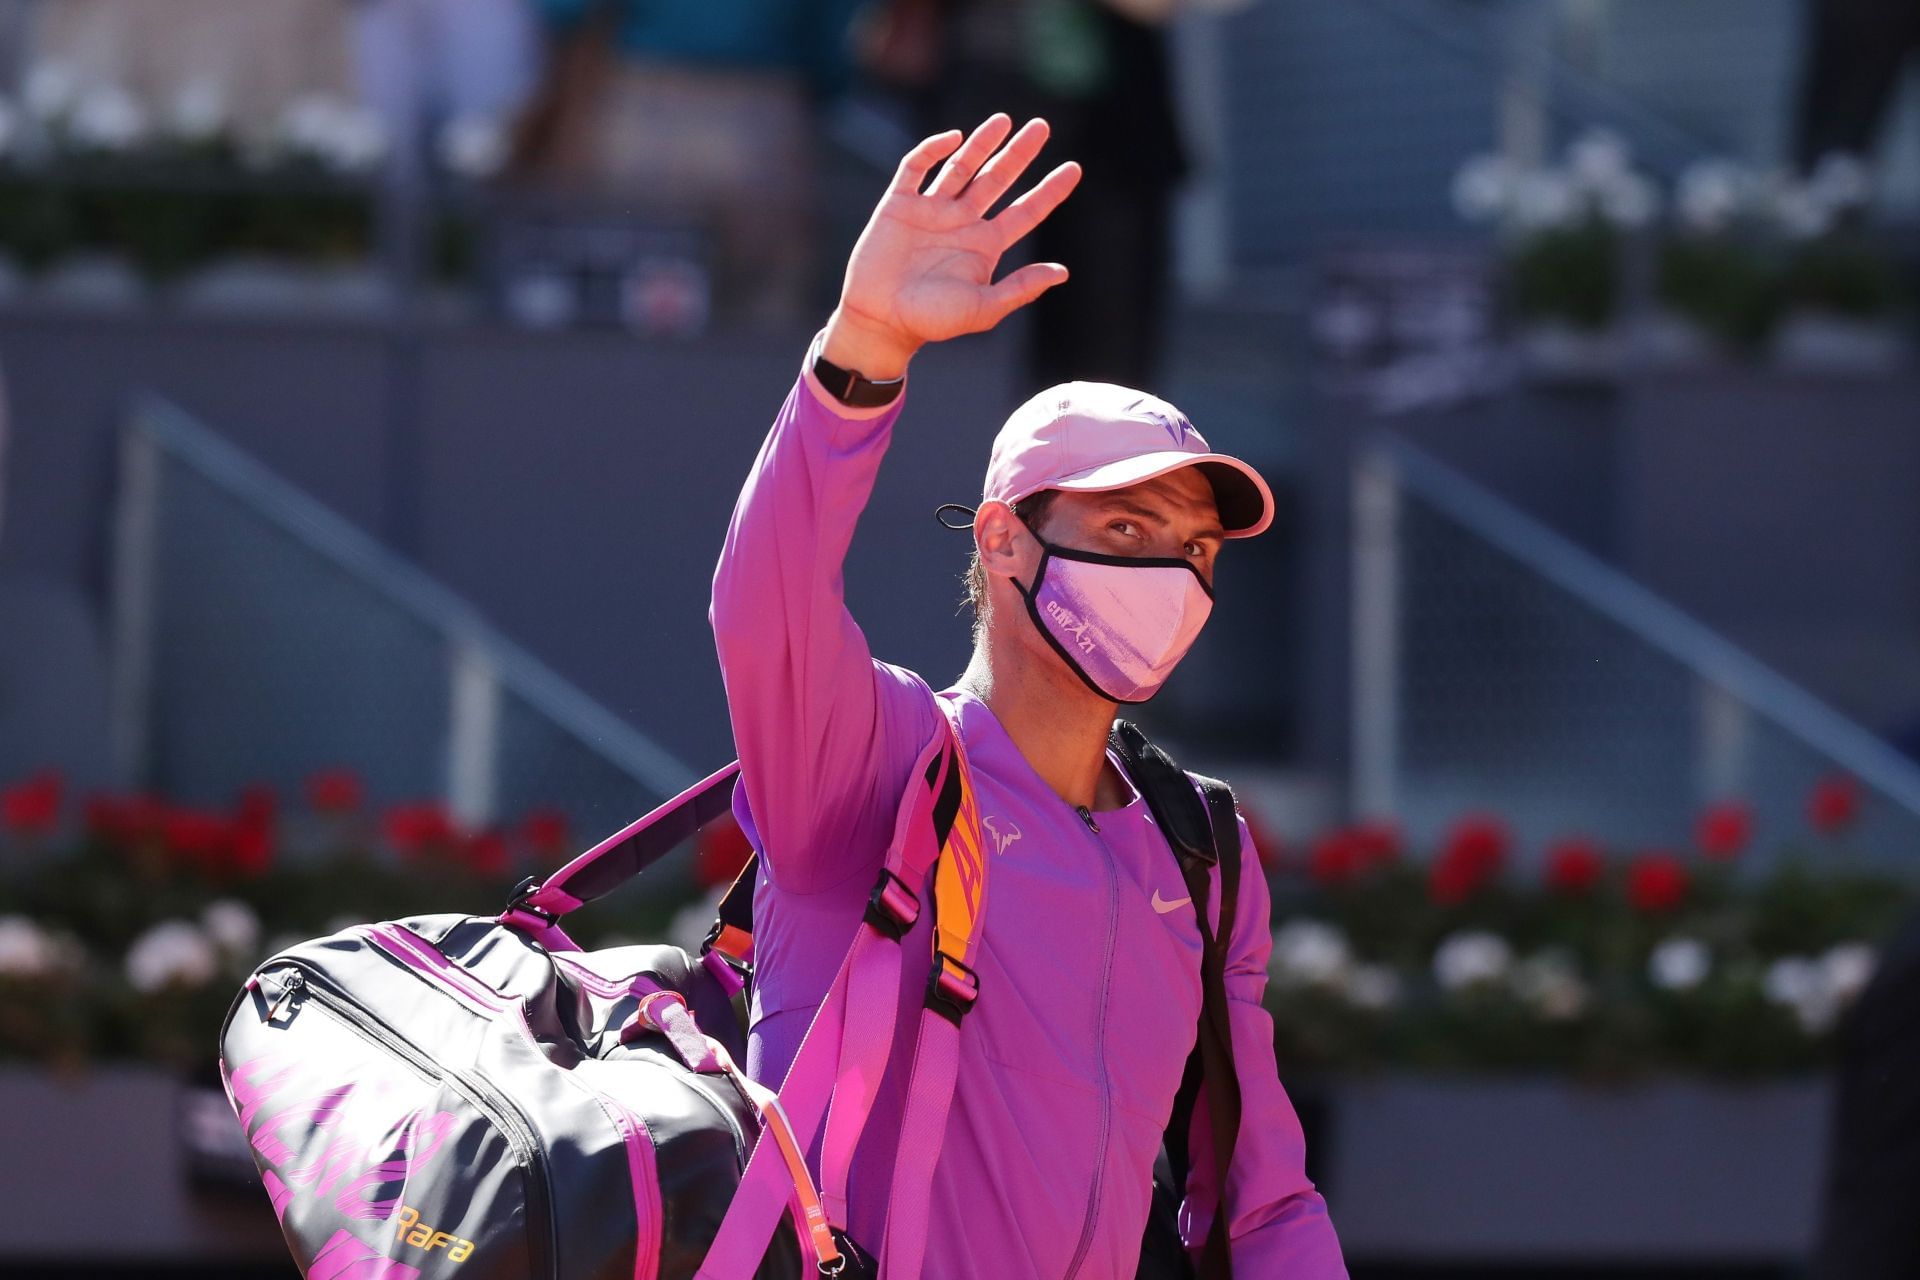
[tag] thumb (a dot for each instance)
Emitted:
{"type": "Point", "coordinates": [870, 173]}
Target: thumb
{"type": "Point", "coordinates": [1018, 289]}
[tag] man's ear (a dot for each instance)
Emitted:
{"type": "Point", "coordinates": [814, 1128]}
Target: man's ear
{"type": "Point", "coordinates": [1002, 540]}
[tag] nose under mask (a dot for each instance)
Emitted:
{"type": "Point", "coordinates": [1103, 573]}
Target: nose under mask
{"type": "Point", "coordinates": [1121, 623]}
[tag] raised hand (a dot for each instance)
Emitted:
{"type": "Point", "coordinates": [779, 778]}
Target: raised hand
{"type": "Point", "coordinates": [922, 270]}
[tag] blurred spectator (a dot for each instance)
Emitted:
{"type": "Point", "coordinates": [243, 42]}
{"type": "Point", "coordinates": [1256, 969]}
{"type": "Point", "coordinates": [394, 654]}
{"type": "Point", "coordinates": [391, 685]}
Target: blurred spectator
{"type": "Point", "coordinates": [425, 65]}
{"type": "Point", "coordinates": [1855, 53]}
{"type": "Point", "coordinates": [244, 61]}
{"type": "Point", "coordinates": [1098, 72]}
{"type": "Point", "coordinates": [1868, 1228]}
{"type": "Point", "coordinates": [700, 114]}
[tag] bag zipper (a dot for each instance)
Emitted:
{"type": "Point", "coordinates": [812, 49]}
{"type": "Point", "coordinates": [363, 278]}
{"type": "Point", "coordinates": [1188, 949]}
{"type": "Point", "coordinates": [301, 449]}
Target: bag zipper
{"type": "Point", "coordinates": [483, 1096]}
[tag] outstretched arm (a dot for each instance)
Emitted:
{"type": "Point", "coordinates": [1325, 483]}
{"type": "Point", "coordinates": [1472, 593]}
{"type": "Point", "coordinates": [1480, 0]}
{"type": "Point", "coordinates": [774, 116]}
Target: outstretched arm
{"type": "Point", "coordinates": [824, 733]}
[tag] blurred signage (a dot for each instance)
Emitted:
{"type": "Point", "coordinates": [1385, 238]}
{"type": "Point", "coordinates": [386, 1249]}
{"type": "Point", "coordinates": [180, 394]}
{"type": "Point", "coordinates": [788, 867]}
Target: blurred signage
{"type": "Point", "coordinates": [1406, 326]}
{"type": "Point", "coordinates": [559, 266]}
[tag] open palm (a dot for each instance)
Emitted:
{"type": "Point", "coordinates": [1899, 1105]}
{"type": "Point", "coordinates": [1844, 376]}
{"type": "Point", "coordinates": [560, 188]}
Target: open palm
{"type": "Point", "coordinates": [923, 268]}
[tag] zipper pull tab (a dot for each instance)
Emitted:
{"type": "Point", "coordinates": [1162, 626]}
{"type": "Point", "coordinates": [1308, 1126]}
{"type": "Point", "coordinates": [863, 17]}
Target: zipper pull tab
{"type": "Point", "coordinates": [1086, 816]}
{"type": "Point", "coordinates": [294, 984]}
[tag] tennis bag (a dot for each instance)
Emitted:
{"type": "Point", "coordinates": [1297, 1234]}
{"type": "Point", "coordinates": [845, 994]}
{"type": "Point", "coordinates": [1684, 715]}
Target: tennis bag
{"type": "Point", "coordinates": [476, 1097]}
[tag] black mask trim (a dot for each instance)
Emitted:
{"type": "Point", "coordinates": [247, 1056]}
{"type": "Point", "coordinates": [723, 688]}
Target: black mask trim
{"type": "Point", "coordinates": [1048, 551]}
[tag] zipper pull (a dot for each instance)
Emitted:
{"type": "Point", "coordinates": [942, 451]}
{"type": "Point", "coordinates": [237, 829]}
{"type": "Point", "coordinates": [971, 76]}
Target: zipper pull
{"type": "Point", "coordinates": [294, 984]}
{"type": "Point", "coordinates": [1086, 816]}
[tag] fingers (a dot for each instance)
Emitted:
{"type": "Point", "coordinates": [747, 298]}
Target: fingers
{"type": "Point", "coordinates": [926, 153]}
{"type": "Point", "coordinates": [1031, 209]}
{"type": "Point", "coordinates": [1023, 286]}
{"type": "Point", "coordinates": [973, 153]}
{"type": "Point", "coordinates": [1005, 168]}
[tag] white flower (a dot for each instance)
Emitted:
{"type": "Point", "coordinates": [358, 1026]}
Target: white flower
{"type": "Point", "coordinates": [26, 950]}
{"type": "Point", "coordinates": [1465, 959]}
{"type": "Point", "coordinates": [232, 926]}
{"type": "Point", "coordinates": [198, 111]}
{"type": "Point", "coordinates": [1483, 187]}
{"type": "Point", "coordinates": [1308, 952]}
{"type": "Point", "coordinates": [1801, 985]}
{"type": "Point", "coordinates": [1373, 986]}
{"type": "Point", "coordinates": [50, 90]}
{"type": "Point", "coordinates": [174, 953]}
{"type": "Point", "coordinates": [1629, 201]}
{"type": "Point", "coordinates": [1597, 159]}
{"type": "Point", "coordinates": [1841, 181]}
{"type": "Point", "coordinates": [1801, 214]}
{"type": "Point", "coordinates": [340, 135]}
{"type": "Point", "coordinates": [1679, 964]}
{"type": "Point", "coordinates": [1551, 983]}
{"type": "Point", "coordinates": [1543, 199]}
{"type": "Point", "coordinates": [108, 118]}
{"type": "Point", "coordinates": [473, 146]}
{"type": "Point", "coordinates": [1847, 969]}
{"type": "Point", "coordinates": [1710, 194]}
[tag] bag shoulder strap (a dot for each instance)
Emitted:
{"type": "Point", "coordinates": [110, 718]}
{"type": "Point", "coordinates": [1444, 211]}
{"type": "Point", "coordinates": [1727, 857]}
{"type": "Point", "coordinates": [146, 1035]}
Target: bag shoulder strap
{"type": "Point", "coordinates": [1197, 816]}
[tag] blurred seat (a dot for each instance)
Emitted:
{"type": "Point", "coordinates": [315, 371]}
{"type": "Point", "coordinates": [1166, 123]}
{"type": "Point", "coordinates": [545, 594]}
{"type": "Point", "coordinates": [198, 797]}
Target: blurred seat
{"type": "Point", "coordinates": [53, 685]}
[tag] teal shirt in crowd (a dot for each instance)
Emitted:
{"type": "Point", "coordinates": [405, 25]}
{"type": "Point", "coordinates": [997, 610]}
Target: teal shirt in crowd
{"type": "Point", "coordinates": [809, 37]}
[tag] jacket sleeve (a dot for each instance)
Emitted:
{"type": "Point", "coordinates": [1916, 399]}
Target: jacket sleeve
{"type": "Point", "coordinates": [825, 734]}
{"type": "Point", "coordinates": [1277, 1222]}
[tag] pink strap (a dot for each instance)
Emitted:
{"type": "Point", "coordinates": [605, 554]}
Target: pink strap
{"type": "Point", "coordinates": [873, 992]}
{"type": "Point", "coordinates": [936, 1065]}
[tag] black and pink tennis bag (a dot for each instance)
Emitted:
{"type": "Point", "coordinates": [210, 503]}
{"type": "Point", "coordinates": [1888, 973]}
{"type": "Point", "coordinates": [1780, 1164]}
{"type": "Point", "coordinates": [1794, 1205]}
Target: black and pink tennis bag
{"type": "Point", "coordinates": [476, 1097]}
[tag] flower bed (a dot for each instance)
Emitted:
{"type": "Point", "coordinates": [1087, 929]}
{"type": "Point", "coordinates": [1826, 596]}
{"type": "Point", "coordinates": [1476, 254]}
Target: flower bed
{"type": "Point", "coordinates": [1599, 964]}
{"type": "Point", "coordinates": [127, 923]}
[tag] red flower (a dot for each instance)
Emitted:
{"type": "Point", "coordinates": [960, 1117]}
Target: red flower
{"type": "Point", "coordinates": [722, 851]}
{"type": "Point", "coordinates": [198, 839]}
{"type": "Point", "coordinates": [547, 833]}
{"type": "Point", "coordinates": [127, 821]}
{"type": "Point", "coordinates": [1656, 882]}
{"type": "Point", "coordinates": [1724, 830]}
{"type": "Point", "coordinates": [1376, 843]}
{"type": "Point", "coordinates": [416, 829]}
{"type": "Point", "coordinates": [32, 807]}
{"type": "Point", "coordinates": [258, 807]}
{"type": "Point", "coordinates": [1574, 866]}
{"type": "Point", "coordinates": [251, 849]}
{"type": "Point", "coordinates": [1335, 858]}
{"type": "Point", "coordinates": [335, 791]}
{"type": "Point", "coordinates": [1834, 804]}
{"type": "Point", "coordinates": [1473, 854]}
{"type": "Point", "coordinates": [486, 853]}
{"type": "Point", "coordinates": [1344, 855]}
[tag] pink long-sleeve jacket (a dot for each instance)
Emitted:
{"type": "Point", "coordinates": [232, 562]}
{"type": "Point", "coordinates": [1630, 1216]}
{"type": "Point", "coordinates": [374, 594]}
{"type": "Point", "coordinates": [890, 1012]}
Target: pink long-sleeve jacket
{"type": "Point", "coordinates": [1090, 970]}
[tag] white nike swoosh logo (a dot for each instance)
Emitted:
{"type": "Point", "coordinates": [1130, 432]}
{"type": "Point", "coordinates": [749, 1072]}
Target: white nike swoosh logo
{"type": "Point", "coordinates": [1161, 905]}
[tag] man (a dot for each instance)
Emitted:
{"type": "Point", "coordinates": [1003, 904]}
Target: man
{"type": "Point", "coordinates": [1095, 544]}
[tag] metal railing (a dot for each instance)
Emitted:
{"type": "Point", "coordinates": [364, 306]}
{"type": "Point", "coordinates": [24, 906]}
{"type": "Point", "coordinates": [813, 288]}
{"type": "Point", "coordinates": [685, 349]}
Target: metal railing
{"type": "Point", "coordinates": [258, 637]}
{"type": "Point", "coordinates": [1499, 667]}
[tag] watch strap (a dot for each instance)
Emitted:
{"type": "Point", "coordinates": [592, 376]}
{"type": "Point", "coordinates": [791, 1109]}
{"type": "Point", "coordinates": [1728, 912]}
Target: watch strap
{"type": "Point", "coordinates": [853, 389]}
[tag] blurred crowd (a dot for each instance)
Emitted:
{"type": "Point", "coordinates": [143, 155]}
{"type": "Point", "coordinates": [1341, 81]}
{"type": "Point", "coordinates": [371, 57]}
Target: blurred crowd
{"type": "Point", "coordinates": [697, 115]}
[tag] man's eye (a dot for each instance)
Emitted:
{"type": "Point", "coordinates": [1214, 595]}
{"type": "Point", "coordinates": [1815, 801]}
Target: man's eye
{"type": "Point", "coordinates": [1126, 527]}
{"type": "Point", "coordinates": [1196, 549]}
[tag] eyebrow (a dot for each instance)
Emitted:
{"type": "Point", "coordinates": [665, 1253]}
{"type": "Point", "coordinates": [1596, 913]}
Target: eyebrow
{"type": "Point", "coordinates": [1117, 502]}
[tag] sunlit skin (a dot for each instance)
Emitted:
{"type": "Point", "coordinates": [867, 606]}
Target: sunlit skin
{"type": "Point", "coordinates": [922, 272]}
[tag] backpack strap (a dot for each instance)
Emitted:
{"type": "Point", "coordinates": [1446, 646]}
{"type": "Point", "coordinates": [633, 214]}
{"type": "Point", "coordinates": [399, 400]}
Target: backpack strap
{"type": "Point", "coordinates": [1198, 818]}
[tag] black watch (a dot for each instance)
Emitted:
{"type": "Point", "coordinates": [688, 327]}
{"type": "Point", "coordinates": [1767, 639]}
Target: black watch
{"type": "Point", "coordinates": [853, 390]}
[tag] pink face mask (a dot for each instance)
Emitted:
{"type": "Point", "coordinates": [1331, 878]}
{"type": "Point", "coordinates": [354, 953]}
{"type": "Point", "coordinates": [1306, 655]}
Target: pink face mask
{"type": "Point", "coordinates": [1122, 623]}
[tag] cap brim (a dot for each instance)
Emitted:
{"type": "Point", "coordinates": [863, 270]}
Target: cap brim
{"type": "Point", "coordinates": [1240, 495]}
